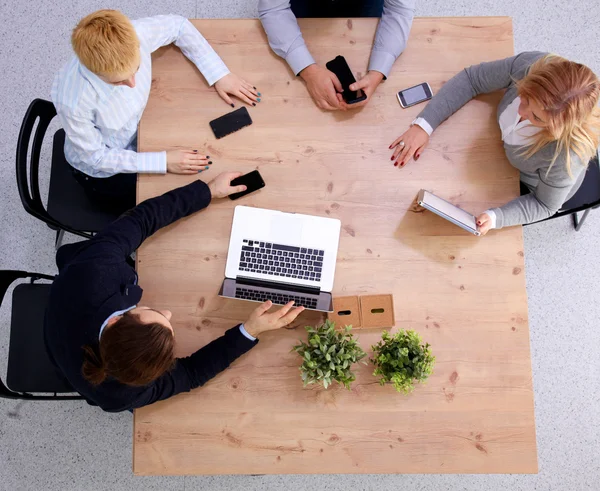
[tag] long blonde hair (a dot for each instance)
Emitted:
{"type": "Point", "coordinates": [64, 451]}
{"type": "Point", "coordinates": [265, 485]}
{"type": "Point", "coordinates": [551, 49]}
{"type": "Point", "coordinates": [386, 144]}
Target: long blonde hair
{"type": "Point", "coordinates": [569, 93]}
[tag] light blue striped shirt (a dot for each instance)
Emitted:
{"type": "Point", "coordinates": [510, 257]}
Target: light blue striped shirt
{"type": "Point", "coordinates": [101, 120]}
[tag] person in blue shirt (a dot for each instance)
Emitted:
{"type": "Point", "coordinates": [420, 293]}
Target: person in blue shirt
{"type": "Point", "coordinates": [101, 93]}
{"type": "Point", "coordinates": [278, 18]}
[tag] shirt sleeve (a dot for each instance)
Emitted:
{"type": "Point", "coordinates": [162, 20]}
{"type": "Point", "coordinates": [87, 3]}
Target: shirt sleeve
{"type": "Point", "coordinates": [123, 236]}
{"type": "Point", "coordinates": [198, 368]}
{"type": "Point", "coordinates": [392, 34]}
{"type": "Point", "coordinates": [283, 33]}
{"type": "Point", "coordinates": [85, 150]}
{"type": "Point", "coordinates": [162, 30]}
{"type": "Point", "coordinates": [469, 83]}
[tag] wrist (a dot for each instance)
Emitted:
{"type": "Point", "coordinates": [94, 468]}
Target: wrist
{"type": "Point", "coordinates": [375, 75]}
{"type": "Point", "coordinates": [251, 329]}
{"type": "Point", "coordinates": [308, 71]}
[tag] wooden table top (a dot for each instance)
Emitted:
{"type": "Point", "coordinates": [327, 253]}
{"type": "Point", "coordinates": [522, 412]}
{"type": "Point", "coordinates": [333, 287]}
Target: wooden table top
{"type": "Point", "coordinates": [465, 295]}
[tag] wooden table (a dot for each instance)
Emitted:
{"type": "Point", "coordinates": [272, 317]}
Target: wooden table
{"type": "Point", "coordinates": [465, 295]}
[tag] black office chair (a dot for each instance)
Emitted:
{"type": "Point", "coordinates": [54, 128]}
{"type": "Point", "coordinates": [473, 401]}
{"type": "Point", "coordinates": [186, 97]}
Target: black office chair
{"type": "Point", "coordinates": [30, 373]}
{"type": "Point", "coordinates": [69, 208]}
{"type": "Point", "coordinates": [585, 199]}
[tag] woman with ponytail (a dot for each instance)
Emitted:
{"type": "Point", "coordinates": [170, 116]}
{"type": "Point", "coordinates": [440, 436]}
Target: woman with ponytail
{"type": "Point", "coordinates": [549, 120]}
{"type": "Point", "coordinates": [115, 352]}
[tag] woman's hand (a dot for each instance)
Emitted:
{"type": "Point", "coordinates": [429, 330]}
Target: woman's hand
{"type": "Point", "coordinates": [186, 162]}
{"type": "Point", "coordinates": [409, 144]}
{"type": "Point", "coordinates": [231, 84]}
{"type": "Point", "coordinates": [260, 320]}
{"type": "Point", "coordinates": [220, 186]}
{"type": "Point", "coordinates": [484, 223]}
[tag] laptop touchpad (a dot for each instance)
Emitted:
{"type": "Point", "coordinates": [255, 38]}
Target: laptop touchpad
{"type": "Point", "coordinates": [286, 229]}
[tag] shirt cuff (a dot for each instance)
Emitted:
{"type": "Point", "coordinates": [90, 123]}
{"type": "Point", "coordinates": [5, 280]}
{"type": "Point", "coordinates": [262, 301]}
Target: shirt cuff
{"type": "Point", "coordinates": [215, 74]}
{"type": "Point", "coordinates": [299, 59]}
{"type": "Point", "coordinates": [152, 162]}
{"type": "Point", "coordinates": [245, 333]}
{"type": "Point", "coordinates": [382, 62]}
{"type": "Point", "coordinates": [492, 215]}
{"type": "Point", "coordinates": [423, 124]}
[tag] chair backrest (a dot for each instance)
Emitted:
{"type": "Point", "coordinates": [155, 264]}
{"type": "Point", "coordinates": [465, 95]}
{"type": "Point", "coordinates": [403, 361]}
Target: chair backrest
{"type": "Point", "coordinates": [28, 183]}
{"type": "Point", "coordinates": [7, 277]}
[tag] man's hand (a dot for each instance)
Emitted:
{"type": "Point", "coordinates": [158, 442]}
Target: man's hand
{"type": "Point", "coordinates": [368, 84]}
{"type": "Point", "coordinates": [323, 86]}
{"type": "Point", "coordinates": [220, 186]}
{"type": "Point", "coordinates": [231, 84]}
{"type": "Point", "coordinates": [260, 320]}
{"type": "Point", "coordinates": [186, 162]}
{"type": "Point", "coordinates": [484, 223]}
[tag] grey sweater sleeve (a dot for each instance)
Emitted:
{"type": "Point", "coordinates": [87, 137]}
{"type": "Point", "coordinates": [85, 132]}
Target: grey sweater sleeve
{"type": "Point", "coordinates": [548, 196]}
{"type": "Point", "coordinates": [472, 81]}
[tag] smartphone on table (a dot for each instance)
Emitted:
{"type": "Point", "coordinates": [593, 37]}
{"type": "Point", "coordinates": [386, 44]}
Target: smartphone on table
{"type": "Point", "coordinates": [415, 95]}
{"type": "Point", "coordinates": [340, 67]}
{"type": "Point", "coordinates": [253, 182]}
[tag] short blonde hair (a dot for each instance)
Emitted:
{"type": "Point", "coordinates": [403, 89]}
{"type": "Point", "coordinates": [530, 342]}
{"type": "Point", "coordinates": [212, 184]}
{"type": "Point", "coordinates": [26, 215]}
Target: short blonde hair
{"type": "Point", "coordinates": [106, 43]}
{"type": "Point", "coordinates": [569, 94]}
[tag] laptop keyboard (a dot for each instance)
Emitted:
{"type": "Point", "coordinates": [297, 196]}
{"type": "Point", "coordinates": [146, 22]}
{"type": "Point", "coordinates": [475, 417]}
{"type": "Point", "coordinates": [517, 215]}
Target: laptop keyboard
{"type": "Point", "coordinates": [281, 260]}
{"type": "Point", "coordinates": [276, 298]}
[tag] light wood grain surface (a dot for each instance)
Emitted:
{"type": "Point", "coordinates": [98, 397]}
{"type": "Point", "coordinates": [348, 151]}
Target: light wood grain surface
{"type": "Point", "coordinates": [465, 295]}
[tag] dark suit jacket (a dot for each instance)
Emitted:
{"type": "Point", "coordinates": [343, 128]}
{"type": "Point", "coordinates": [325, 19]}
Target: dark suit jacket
{"type": "Point", "coordinates": [95, 280]}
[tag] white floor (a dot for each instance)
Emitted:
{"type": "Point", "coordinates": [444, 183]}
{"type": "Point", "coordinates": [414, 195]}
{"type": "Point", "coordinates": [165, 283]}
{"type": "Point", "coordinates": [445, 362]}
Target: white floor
{"type": "Point", "coordinates": [71, 446]}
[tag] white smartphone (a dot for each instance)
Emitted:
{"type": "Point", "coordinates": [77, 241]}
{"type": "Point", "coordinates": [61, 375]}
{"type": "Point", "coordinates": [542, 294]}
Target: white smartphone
{"type": "Point", "coordinates": [414, 95]}
{"type": "Point", "coordinates": [446, 210]}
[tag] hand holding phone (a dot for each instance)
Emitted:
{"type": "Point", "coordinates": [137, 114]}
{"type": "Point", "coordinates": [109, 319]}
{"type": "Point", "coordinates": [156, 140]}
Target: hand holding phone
{"type": "Point", "coordinates": [222, 185]}
{"type": "Point", "coordinates": [340, 67]}
{"type": "Point", "coordinates": [253, 182]}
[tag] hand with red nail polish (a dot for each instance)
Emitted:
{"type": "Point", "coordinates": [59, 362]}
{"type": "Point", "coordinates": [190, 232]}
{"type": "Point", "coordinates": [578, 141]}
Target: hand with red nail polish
{"type": "Point", "coordinates": [410, 144]}
{"type": "Point", "coordinates": [484, 223]}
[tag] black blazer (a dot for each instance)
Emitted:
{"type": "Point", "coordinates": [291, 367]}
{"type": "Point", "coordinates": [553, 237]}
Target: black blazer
{"type": "Point", "coordinates": [95, 280]}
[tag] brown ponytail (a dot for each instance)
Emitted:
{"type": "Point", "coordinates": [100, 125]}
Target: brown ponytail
{"type": "Point", "coordinates": [93, 369]}
{"type": "Point", "coordinates": [130, 352]}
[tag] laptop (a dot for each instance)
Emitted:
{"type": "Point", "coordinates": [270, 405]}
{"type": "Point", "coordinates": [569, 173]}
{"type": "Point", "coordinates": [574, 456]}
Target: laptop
{"type": "Point", "coordinates": [446, 210]}
{"type": "Point", "coordinates": [281, 257]}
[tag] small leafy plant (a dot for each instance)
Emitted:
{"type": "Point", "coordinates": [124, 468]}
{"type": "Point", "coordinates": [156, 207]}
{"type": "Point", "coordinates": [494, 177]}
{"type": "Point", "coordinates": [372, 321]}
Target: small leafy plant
{"type": "Point", "coordinates": [402, 359]}
{"type": "Point", "coordinates": [329, 355]}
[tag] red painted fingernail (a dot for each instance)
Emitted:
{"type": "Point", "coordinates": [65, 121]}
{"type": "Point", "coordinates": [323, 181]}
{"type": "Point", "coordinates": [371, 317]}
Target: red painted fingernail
{"type": "Point", "coordinates": [402, 164]}
{"type": "Point", "coordinates": [395, 164]}
{"type": "Point", "coordinates": [478, 223]}
{"type": "Point", "coordinates": [390, 147]}
{"type": "Point", "coordinates": [417, 157]}
{"type": "Point", "coordinates": [392, 158]}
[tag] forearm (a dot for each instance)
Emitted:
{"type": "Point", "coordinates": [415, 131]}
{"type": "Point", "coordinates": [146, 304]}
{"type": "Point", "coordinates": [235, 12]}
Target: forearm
{"type": "Point", "coordinates": [212, 359]}
{"type": "Point", "coordinates": [197, 49]}
{"type": "Point", "coordinates": [522, 210]}
{"type": "Point", "coordinates": [392, 34]}
{"type": "Point", "coordinates": [465, 85]}
{"type": "Point", "coordinates": [283, 33]}
{"type": "Point", "coordinates": [136, 225]}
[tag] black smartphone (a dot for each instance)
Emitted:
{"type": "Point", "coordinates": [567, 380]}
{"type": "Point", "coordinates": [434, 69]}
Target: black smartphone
{"type": "Point", "coordinates": [414, 95]}
{"type": "Point", "coordinates": [340, 67]}
{"type": "Point", "coordinates": [253, 182]}
{"type": "Point", "coordinates": [231, 122]}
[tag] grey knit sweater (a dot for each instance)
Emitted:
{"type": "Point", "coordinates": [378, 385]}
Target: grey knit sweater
{"type": "Point", "coordinates": [548, 192]}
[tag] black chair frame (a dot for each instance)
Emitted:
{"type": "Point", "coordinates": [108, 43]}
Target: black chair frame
{"type": "Point", "coordinates": [7, 278]}
{"type": "Point", "coordinates": [29, 190]}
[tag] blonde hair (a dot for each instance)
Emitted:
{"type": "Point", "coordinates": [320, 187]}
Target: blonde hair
{"type": "Point", "coordinates": [106, 43]}
{"type": "Point", "coordinates": [569, 93]}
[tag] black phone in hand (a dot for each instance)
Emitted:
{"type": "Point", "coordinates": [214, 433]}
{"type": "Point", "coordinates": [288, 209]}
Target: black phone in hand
{"type": "Point", "coordinates": [253, 182]}
{"type": "Point", "coordinates": [340, 67]}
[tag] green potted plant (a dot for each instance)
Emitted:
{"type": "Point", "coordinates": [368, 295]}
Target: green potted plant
{"type": "Point", "coordinates": [402, 359]}
{"type": "Point", "coordinates": [329, 355]}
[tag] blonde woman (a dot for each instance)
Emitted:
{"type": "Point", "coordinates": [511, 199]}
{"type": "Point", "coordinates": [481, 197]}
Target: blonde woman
{"type": "Point", "coordinates": [549, 118]}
